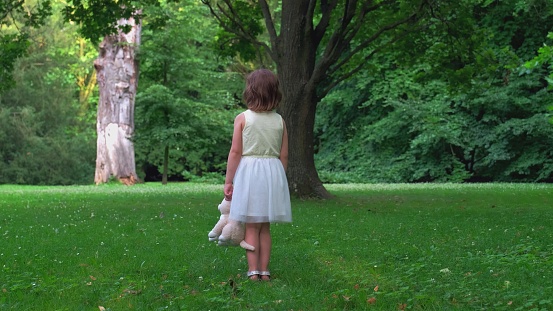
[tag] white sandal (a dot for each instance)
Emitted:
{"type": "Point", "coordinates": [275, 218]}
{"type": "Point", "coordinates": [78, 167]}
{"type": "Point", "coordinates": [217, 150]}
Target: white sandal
{"type": "Point", "coordinates": [253, 275]}
{"type": "Point", "coordinates": [265, 273]}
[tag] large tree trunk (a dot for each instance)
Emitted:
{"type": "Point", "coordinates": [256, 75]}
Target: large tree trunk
{"type": "Point", "coordinates": [295, 64]}
{"type": "Point", "coordinates": [117, 75]}
{"type": "Point", "coordinates": [303, 178]}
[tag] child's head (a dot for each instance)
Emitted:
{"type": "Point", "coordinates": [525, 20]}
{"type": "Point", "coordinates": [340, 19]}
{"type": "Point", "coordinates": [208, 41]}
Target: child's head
{"type": "Point", "coordinates": [262, 91]}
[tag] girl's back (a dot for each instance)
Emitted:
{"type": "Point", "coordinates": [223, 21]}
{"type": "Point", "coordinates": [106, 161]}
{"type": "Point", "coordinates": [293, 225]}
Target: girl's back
{"type": "Point", "coordinates": [262, 134]}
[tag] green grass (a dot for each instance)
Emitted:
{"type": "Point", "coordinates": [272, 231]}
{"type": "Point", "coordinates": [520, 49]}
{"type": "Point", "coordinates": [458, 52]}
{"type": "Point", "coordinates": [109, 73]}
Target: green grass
{"type": "Point", "coordinates": [373, 247]}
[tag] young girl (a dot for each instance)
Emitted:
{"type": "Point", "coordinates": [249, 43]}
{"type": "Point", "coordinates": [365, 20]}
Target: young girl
{"type": "Point", "coordinates": [256, 179]}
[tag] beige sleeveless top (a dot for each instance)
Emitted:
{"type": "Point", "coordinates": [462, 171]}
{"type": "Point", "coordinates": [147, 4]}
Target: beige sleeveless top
{"type": "Point", "coordinates": [262, 134]}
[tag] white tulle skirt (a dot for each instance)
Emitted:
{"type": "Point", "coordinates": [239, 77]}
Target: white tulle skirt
{"type": "Point", "coordinates": [260, 192]}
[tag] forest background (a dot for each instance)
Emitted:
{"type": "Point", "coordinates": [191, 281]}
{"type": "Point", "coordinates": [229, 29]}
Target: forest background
{"type": "Point", "coordinates": [466, 102]}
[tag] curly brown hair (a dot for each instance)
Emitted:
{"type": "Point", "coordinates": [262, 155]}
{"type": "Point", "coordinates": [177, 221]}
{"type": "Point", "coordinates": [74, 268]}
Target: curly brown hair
{"type": "Point", "coordinates": [262, 91]}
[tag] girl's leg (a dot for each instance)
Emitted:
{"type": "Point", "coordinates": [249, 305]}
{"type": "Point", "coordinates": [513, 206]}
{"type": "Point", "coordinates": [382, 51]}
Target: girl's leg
{"type": "Point", "coordinates": [252, 238]}
{"type": "Point", "coordinates": [265, 245]}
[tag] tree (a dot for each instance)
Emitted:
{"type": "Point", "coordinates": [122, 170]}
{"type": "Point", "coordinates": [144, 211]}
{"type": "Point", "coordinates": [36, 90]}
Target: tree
{"type": "Point", "coordinates": [463, 110]}
{"type": "Point", "coordinates": [43, 140]}
{"type": "Point", "coordinates": [16, 19]}
{"type": "Point", "coordinates": [186, 98]}
{"type": "Point", "coordinates": [117, 75]}
{"type": "Point", "coordinates": [316, 45]}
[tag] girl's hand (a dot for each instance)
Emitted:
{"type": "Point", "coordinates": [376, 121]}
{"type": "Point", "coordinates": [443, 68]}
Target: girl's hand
{"type": "Point", "coordinates": [228, 192]}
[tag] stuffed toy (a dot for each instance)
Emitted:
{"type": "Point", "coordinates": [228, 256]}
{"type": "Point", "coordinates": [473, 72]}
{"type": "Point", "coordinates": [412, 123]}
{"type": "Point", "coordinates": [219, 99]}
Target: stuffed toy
{"type": "Point", "coordinates": [228, 232]}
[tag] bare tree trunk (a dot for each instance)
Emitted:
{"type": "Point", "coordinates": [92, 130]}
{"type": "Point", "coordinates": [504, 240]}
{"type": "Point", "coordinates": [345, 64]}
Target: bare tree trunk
{"type": "Point", "coordinates": [117, 75]}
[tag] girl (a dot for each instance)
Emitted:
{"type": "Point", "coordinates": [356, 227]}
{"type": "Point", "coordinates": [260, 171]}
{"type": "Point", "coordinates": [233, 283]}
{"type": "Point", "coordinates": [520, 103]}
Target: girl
{"type": "Point", "coordinates": [256, 179]}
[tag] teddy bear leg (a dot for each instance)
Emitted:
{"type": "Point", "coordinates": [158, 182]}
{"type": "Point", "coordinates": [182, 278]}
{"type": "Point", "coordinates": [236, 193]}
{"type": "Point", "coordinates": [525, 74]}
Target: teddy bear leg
{"type": "Point", "coordinates": [247, 246]}
{"type": "Point", "coordinates": [212, 236]}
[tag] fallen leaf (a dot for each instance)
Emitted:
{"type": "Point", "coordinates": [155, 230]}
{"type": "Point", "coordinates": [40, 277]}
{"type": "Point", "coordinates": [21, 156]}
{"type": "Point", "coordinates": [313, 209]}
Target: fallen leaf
{"type": "Point", "coordinates": [402, 306]}
{"type": "Point", "coordinates": [356, 287]}
{"type": "Point", "coordinates": [376, 288]}
{"type": "Point", "coordinates": [371, 300]}
{"type": "Point", "coordinates": [101, 308]}
{"type": "Point", "coordinates": [132, 292]}
{"type": "Point", "coordinates": [92, 278]}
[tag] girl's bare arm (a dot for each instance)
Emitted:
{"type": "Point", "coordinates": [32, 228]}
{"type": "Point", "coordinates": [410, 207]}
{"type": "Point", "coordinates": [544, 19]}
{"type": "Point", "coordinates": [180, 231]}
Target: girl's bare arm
{"type": "Point", "coordinates": [284, 148]}
{"type": "Point", "coordinates": [235, 154]}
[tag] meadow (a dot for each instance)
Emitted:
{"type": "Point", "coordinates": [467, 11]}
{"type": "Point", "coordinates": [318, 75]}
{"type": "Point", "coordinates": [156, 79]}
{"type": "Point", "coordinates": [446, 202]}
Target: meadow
{"type": "Point", "coordinates": [372, 247]}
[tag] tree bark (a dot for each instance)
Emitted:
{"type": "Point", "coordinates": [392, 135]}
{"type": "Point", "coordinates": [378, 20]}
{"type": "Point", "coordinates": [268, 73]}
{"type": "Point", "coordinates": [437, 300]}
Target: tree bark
{"type": "Point", "coordinates": [295, 59]}
{"type": "Point", "coordinates": [303, 178]}
{"type": "Point", "coordinates": [117, 76]}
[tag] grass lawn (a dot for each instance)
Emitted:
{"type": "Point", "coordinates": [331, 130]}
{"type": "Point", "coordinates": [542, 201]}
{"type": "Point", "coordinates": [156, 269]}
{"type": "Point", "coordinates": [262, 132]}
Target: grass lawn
{"type": "Point", "coordinates": [373, 247]}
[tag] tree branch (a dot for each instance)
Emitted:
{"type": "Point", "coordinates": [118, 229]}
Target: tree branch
{"type": "Point", "coordinates": [370, 40]}
{"type": "Point", "coordinates": [234, 21]}
{"type": "Point", "coordinates": [341, 38]}
{"type": "Point", "coordinates": [364, 62]}
{"type": "Point", "coordinates": [366, 9]}
{"type": "Point", "coordinates": [336, 43]}
{"type": "Point", "coordinates": [270, 28]}
{"type": "Point", "coordinates": [311, 10]}
{"type": "Point", "coordinates": [233, 17]}
{"type": "Point", "coordinates": [325, 64]}
{"type": "Point", "coordinates": [326, 10]}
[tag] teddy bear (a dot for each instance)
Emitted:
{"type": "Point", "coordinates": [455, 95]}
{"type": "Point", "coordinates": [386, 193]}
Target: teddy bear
{"type": "Point", "coordinates": [228, 232]}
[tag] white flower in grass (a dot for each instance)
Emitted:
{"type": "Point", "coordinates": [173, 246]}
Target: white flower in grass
{"type": "Point", "coordinates": [445, 271]}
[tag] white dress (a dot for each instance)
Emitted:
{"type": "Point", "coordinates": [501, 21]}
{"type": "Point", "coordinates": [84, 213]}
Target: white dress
{"type": "Point", "coordinates": [260, 187]}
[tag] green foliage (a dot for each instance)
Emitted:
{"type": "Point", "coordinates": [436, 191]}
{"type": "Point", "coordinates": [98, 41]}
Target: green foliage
{"type": "Point", "coordinates": [543, 59]}
{"type": "Point", "coordinates": [481, 118]}
{"type": "Point", "coordinates": [11, 48]}
{"type": "Point", "coordinates": [411, 247]}
{"type": "Point", "coordinates": [98, 18]}
{"type": "Point", "coordinates": [36, 149]}
{"type": "Point", "coordinates": [186, 98]}
{"type": "Point", "coordinates": [17, 19]}
{"type": "Point", "coordinates": [163, 120]}
{"type": "Point", "coordinates": [43, 138]}
{"type": "Point", "coordinates": [229, 44]}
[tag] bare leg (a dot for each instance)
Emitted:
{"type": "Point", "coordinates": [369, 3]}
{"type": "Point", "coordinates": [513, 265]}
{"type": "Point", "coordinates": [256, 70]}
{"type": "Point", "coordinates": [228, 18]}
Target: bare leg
{"type": "Point", "coordinates": [252, 238]}
{"type": "Point", "coordinates": [265, 245]}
